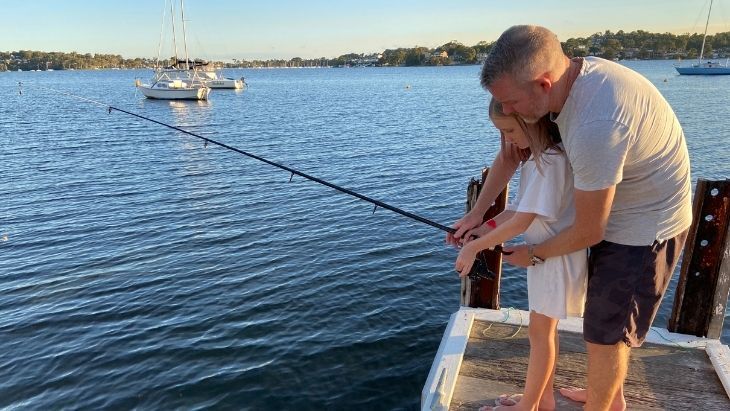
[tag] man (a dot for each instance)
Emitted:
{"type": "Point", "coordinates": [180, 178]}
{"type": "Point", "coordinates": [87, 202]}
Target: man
{"type": "Point", "coordinates": [632, 190]}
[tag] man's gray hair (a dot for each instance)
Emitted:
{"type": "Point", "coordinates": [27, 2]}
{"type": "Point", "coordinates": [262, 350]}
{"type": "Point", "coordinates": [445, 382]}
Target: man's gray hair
{"type": "Point", "coordinates": [524, 52]}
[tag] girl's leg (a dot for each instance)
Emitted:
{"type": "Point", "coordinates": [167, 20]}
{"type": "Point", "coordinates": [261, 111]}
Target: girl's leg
{"type": "Point", "coordinates": [547, 400]}
{"type": "Point", "coordinates": [547, 397]}
{"type": "Point", "coordinates": [541, 366]}
{"type": "Point", "coordinates": [538, 392]}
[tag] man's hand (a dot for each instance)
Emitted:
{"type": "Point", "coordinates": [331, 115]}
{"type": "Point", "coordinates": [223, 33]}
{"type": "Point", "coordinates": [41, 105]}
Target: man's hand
{"type": "Point", "coordinates": [519, 256]}
{"type": "Point", "coordinates": [475, 233]}
{"type": "Point", "coordinates": [470, 221]}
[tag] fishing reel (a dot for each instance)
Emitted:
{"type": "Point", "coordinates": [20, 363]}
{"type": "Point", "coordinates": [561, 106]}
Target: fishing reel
{"type": "Point", "coordinates": [480, 270]}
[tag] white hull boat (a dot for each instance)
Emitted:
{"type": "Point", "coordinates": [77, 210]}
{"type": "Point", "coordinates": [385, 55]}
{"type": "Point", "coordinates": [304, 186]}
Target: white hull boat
{"type": "Point", "coordinates": [214, 80]}
{"type": "Point", "coordinates": [226, 83]}
{"type": "Point", "coordinates": [211, 77]}
{"type": "Point", "coordinates": [175, 83]}
{"type": "Point", "coordinates": [173, 90]}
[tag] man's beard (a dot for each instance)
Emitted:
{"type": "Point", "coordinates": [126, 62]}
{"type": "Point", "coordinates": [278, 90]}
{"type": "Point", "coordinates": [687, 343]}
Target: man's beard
{"type": "Point", "coordinates": [539, 105]}
{"type": "Point", "coordinates": [530, 120]}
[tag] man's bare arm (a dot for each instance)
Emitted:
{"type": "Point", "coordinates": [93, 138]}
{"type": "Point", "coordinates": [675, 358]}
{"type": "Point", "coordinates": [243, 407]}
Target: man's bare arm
{"type": "Point", "coordinates": [591, 216]}
{"type": "Point", "coordinates": [503, 168]}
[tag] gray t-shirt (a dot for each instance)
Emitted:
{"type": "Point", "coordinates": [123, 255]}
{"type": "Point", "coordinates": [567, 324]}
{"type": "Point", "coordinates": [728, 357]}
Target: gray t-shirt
{"type": "Point", "coordinates": [618, 130]}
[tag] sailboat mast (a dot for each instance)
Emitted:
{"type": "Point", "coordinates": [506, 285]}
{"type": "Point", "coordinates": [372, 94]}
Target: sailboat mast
{"type": "Point", "coordinates": [185, 36]}
{"type": "Point", "coordinates": [174, 41]}
{"type": "Point", "coordinates": [162, 32]}
{"type": "Point", "coordinates": [702, 50]}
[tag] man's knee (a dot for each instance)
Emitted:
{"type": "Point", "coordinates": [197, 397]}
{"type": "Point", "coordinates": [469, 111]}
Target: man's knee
{"type": "Point", "coordinates": [608, 357]}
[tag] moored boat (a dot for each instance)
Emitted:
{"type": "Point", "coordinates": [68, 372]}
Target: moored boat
{"type": "Point", "coordinates": [211, 77]}
{"type": "Point", "coordinates": [173, 89]}
{"type": "Point", "coordinates": [174, 83]}
{"type": "Point", "coordinates": [214, 80]}
{"type": "Point", "coordinates": [707, 68]}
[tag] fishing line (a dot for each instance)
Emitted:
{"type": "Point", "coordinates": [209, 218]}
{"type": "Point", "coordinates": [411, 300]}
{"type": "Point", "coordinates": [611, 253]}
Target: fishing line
{"type": "Point", "coordinates": [480, 267]}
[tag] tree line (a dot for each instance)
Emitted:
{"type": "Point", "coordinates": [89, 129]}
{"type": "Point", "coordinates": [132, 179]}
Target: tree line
{"type": "Point", "coordinates": [40, 60]}
{"type": "Point", "coordinates": [637, 44]}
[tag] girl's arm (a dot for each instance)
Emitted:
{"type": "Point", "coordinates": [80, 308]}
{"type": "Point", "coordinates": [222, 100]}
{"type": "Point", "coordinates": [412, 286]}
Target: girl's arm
{"type": "Point", "coordinates": [483, 229]}
{"type": "Point", "coordinates": [503, 168]}
{"type": "Point", "coordinates": [515, 225]}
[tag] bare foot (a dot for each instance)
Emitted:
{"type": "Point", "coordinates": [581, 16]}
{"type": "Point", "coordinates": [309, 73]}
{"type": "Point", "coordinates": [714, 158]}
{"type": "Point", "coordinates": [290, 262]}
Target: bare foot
{"type": "Point", "coordinates": [574, 393]}
{"type": "Point", "coordinates": [498, 408]}
{"type": "Point", "coordinates": [515, 407]}
{"type": "Point", "coordinates": [512, 402]}
{"type": "Point", "coordinates": [508, 400]}
{"type": "Point", "coordinates": [581, 395]}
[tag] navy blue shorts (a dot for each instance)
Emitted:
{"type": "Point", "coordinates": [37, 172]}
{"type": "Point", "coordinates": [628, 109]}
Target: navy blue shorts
{"type": "Point", "coordinates": [625, 287]}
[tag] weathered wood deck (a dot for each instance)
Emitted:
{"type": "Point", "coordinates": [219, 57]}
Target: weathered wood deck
{"type": "Point", "coordinates": [669, 372]}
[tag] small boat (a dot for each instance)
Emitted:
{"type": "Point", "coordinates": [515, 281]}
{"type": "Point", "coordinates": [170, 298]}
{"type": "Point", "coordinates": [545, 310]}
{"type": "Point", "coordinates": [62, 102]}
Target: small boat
{"type": "Point", "coordinates": [707, 68]}
{"type": "Point", "coordinates": [214, 79]}
{"type": "Point", "coordinates": [164, 87]}
{"type": "Point", "coordinates": [174, 83]}
{"type": "Point", "coordinates": [210, 76]}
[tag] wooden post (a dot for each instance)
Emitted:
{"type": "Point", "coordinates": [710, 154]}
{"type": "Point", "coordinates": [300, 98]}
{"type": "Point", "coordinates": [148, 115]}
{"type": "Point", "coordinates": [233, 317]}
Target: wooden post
{"type": "Point", "coordinates": [484, 293]}
{"type": "Point", "coordinates": [704, 282]}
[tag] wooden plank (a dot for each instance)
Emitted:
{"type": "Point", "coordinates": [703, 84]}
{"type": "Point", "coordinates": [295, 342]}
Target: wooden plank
{"type": "Point", "coordinates": [704, 282]}
{"type": "Point", "coordinates": [470, 395]}
{"type": "Point", "coordinates": [660, 377]}
{"type": "Point", "coordinates": [720, 356]}
{"type": "Point", "coordinates": [722, 290]}
{"type": "Point", "coordinates": [469, 295]}
{"type": "Point", "coordinates": [670, 371]}
{"type": "Point", "coordinates": [439, 387]}
{"type": "Point", "coordinates": [484, 292]}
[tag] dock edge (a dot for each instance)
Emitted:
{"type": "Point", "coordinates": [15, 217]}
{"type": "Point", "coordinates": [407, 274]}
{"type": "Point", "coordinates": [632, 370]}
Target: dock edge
{"type": "Point", "coordinates": [441, 382]}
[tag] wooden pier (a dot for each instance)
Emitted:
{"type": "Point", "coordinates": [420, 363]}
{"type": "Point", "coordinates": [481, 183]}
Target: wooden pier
{"type": "Point", "coordinates": [485, 350]}
{"type": "Point", "coordinates": [484, 354]}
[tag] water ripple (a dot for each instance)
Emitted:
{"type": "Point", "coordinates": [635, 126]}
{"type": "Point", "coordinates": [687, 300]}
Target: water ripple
{"type": "Point", "coordinates": [144, 270]}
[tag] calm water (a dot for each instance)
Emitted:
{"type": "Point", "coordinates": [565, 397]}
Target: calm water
{"type": "Point", "coordinates": [143, 270]}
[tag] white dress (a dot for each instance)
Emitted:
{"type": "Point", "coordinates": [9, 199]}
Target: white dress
{"type": "Point", "coordinates": [556, 288]}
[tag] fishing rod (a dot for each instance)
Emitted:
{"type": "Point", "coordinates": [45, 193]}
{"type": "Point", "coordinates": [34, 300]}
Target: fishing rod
{"type": "Point", "coordinates": [477, 272]}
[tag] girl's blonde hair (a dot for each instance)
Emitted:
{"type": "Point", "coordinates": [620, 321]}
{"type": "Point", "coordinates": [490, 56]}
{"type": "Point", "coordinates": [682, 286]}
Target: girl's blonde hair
{"type": "Point", "coordinates": [544, 136]}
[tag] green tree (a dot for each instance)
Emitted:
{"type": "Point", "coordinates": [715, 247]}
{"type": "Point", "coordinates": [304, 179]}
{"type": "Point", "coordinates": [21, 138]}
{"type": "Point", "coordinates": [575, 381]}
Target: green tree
{"type": "Point", "coordinates": [395, 57]}
{"type": "Point", "coordinates": [483, 47]}
{"type": "Point", "coordinates": [416, 56]}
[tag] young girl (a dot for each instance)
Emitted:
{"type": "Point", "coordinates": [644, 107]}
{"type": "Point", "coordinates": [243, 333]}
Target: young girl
{"type": "Point", "coordinates": [543, 207]}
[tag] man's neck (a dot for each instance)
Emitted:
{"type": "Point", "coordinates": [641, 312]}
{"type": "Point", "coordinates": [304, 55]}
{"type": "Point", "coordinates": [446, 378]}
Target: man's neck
{"type": "Point", "coordinates": [563, 86]}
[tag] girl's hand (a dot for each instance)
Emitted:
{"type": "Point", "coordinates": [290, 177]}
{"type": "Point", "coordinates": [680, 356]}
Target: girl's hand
{"type": "Point", "coordinates": [476, 233]}
{"type": "Point", "coordinates": [465, 260]}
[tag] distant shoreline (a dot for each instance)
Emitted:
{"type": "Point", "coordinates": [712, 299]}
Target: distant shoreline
{"type": "Point", "coordinates": [231, 67]}
{"type": "Point", "coordinates": [635, 45]}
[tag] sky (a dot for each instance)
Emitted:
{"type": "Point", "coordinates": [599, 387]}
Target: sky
{"type": "Point", "coordinates": [267, 29]}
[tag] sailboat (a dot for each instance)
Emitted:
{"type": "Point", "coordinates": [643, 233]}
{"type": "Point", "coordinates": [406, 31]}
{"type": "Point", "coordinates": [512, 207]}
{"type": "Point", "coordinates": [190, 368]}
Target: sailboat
{"type": "Point", "coordinates": [706, 68]}
{"type": "Point", "coordinates": [213, 78]}
{"type": "Point", "coordinates": [175, 82]}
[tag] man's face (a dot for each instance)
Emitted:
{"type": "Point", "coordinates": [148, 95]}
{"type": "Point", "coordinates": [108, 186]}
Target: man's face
{"type": "Point", "coordinates": [528, 100]}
